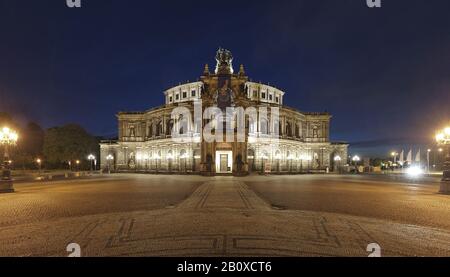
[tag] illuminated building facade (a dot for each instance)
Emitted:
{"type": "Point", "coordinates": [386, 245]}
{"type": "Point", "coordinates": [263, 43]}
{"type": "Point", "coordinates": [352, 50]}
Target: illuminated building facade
{"type": "Point", "coordinates": [295, 142]}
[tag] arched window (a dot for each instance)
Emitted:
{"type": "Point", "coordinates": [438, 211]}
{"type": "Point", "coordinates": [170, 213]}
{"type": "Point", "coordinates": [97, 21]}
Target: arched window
{"type": "Point", "coordinates": [170, 155]}
{"type": "Point", "coordinates": [288, 129]}
{"type": "Point", "coordinates": [278, 155]}
{"type": "Point", "coordinates": [182, 125]}
{"type": "Point", "coordinates": [250, 124]}
{"type": "Point", "coordinates": [277, 127]}
{"type": "Point", "coordinates": [264, 155]}
{"type": "Point", "coordinates": [264, 128]}
{"type": "Point", "coordinates": [159, 128]}
{"type": "Point", "coordinates": [169, 127]}
{"type": "Point", "coordinates": [150, 131]}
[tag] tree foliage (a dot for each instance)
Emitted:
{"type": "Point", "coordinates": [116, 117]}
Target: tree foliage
{"type": "Point", "coordinates": [30, 143]}
{"type": "Point", "coordinates": [68, 143]}
{"type": "Point", "coordinates": [55, 146]}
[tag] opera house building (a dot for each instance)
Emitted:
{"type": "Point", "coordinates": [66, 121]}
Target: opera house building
{"type": "Point", "coordinates": [268, 137]}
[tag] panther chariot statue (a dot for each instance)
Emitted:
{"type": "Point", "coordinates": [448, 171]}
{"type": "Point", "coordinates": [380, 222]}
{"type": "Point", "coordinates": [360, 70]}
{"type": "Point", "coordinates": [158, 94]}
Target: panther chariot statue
{"type": "Point", "coordinates": [224, 60]}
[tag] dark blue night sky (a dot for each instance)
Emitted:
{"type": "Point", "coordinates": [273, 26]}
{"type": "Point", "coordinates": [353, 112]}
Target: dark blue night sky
{"type": "Point", "coordinates": [383, 73]}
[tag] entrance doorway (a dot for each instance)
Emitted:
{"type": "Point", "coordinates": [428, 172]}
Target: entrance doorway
{"type": "Point", "coordinates": [224, 161]}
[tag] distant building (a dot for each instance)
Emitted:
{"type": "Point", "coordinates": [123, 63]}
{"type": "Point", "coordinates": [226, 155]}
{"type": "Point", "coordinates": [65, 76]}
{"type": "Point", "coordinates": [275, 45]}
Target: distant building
{"type": "Point", "coordinates": [297, 142]}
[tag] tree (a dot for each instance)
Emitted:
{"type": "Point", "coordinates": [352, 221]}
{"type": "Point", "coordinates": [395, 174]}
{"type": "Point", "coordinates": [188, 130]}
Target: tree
{"type": "Point", "coordinates": [30, 145]}
{"type": "Point", "coordinates": [33, 139]}
{"type": "Point", "coordinates": [68, 143]}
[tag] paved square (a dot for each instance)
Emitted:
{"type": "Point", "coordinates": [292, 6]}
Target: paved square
{"type": "Point", "coordinates": [147, 215]}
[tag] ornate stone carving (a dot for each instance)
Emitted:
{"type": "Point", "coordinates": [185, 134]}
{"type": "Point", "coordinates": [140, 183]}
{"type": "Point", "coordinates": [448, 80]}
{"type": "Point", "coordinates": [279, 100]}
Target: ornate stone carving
{"type": "Point", "coordinates": [224, 95]}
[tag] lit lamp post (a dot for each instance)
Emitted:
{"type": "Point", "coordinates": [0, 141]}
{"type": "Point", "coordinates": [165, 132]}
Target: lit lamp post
{"type": "Point", "coordinates": [7, 138]}
{"type": "Point", "coordinates": [109, 158]}
{"type": "Point", "coordinates": [146, 157]}
{"type": "Point", "coordinates": [290, 158]}
{"type": "Point", "coordinates": [169, 159]}
{"type": "Point", "coordinates": [394, 156]}
{"type": "Point", "coordinates": [91, 158]}
{"type": "Point", "coordinates": [263, 163]}
{"type": "Point", "coordinates": [157, 160]}
{"type": "Point", "coordinates": [39, 163]}
{"type": "Point", "coordinates": [78, 164]}
{"type": "Point", "coordinates": [443, 138]}
{"type": "Point", "coordinates": [301, 158]}
{"type": "Point", "coordinates": [338, 160]}
{"type": "Point", "coordinates": [428, 160]}
{"type": "Point", "coordinates": [308, 159]}
{"type": "Point", "coordinates": [356, 159]}
{"type": "Point", "coordinates": [139, 160]}
{"type": "Point", "coordinates": [278, 158]}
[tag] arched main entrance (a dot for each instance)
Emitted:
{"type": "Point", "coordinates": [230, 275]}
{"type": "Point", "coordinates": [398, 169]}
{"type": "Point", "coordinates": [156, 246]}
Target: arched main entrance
{"type": "Point", "coordinates": [224, 158]}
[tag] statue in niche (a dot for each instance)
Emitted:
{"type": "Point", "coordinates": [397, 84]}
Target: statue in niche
{"type": "Point", "coordinates": [132, 161]}
{"type": "Point", "coordinates": [132, 131]}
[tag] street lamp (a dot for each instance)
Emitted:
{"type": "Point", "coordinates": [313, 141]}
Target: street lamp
{"type": "Point", "coordinates": [8, 138]}
{"type": "Point", "coordinates": [428, 160]}
{"type": "Point", "coordinates": [307, 158]}
{"type": "Point", "coordinates": [146, 157]}
{"type": "Point", "coordinates": [355, 160]}
{"type": "Point", "coordinates": [169, 159]}
{"type": "Point", "coordinates": [109, 159]}
{"type": "Point", "coordinates": [278, 158]}
{"type": "Point", "coordinates": [394, 155]}
{"type": "Point", "coordinates": [91, 158]}
{"type": "Point", "coordinates": [39, 162]}
{"type": "Point", "coordinates": [290, 158]}
{"type": "Point", "coordinates": [157, 160]}
{"type": "Point", "coordinates": [264, 157]}
{"type": "Point", "coordinates": [139, 160]}
{"type": "Point", "coordinates": [443, 138]}
{"type": "Point", "coordinates": [338, 160]}
{"type": "Point", "coordinates": [302, 158]}
{"type": "Point", "coordinates": [78, 164]}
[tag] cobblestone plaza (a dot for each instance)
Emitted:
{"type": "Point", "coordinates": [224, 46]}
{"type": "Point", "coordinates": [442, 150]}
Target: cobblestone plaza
{"type": "Point", "coordinates": [151, 215]}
